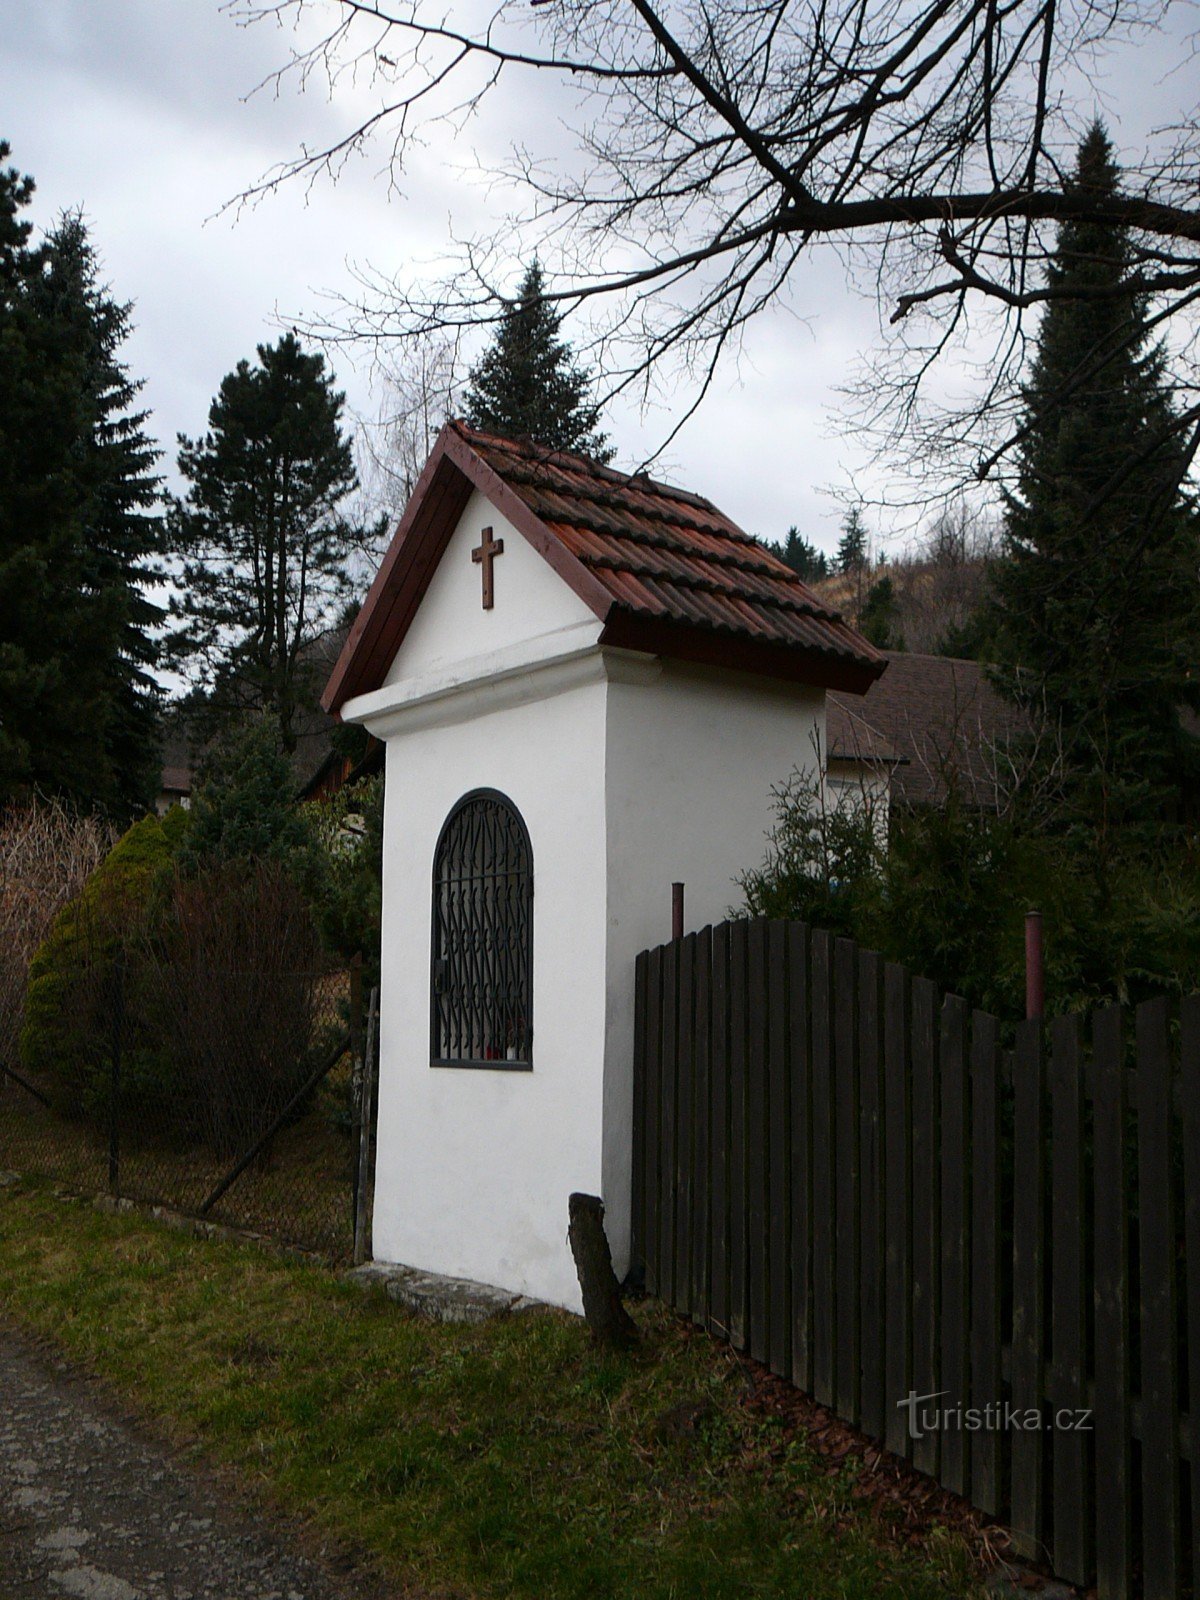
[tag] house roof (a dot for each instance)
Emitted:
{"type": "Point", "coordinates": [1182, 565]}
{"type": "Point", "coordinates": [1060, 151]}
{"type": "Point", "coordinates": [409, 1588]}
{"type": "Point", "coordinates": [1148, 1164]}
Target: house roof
{"type": "Point", "coordinates": [176, 780]}
{"type": "Point", "coordinates": [850, 737]}
{"type": "Point", "coordinates": [664, 570]}
{"type": "Point", "coordinates": [942, 718]}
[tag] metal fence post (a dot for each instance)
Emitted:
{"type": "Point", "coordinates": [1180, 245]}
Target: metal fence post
{"type": "Point", "coordinates": [114, 1080]}
{"type": "Point", "coordinates": [356, 1063]}
{"type": "Point", "coordinates": [361, 1221]}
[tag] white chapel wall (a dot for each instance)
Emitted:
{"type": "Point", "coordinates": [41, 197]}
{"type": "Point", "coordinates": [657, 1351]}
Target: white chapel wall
{"type": "Point", "coordinates": [692, 758]}
{"type": "Point", "coordinates": [476, 1164]}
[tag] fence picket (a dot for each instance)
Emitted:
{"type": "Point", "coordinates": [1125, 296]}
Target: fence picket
{"type": "Point", "coordinates": [757, 1153]}
{"type": "Point", "coordinates": [1028, 1322]}
{"type": "Point", "coordinates": [667, 1089]}
{"type": "Point", "coordinates": [801, 1173]}
{"type": "Point", "coordinates": [1189, 1095]}
{"type": "Point", "coordinates": [779, 1115]}
{"type": "Point", "coordinates": [738, 1005]}
{"type": "Point", "coordinates": [652, 1100]}
{"type": "Point", "coordinates": [846, 1237]}
{"type": "Point", "coordinates": [701, 1146]}
{"type": "Point", "coordinates": [1072, 1518]}
{"type": "Point", "coordinates": [897, 1169]}
{"type": "Point", "coordinates": [684, 1124]}
{"type": "Point", "coordinates": [925, 1251]}
{"type": "Point", "coordinates": [641, 1059]}
{"type": "Point", "coordinates": [1111, 1273]}
{"type": "Point", "coordinates": [985, 1258]}
{"type": "Point", "coordinates": [873, 1335]}
{"type": "Point", "coordinates": [955, 1297]}
{"type": "Point", "coordinates": [718, 1267]}
{"type": "Point", "coordinates": [823, 1219]}
{"type": "Point", "coordinates": [1156, 1238]}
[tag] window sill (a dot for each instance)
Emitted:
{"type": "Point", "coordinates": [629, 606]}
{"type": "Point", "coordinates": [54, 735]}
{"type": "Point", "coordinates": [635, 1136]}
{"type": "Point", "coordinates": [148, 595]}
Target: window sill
{"type": "Point", "coordinates": [487, 1066]}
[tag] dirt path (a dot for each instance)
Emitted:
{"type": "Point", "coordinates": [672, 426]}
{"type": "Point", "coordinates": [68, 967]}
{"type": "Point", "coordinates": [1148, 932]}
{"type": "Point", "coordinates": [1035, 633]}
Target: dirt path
{"type": "Point", "coordinates": [88, 1509]}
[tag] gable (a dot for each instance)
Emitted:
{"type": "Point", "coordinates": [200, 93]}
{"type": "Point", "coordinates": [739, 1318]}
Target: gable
{"type": "Point", "coordinates": [664, 571]}
{"type": "Point", "coordinates": [451, 626]}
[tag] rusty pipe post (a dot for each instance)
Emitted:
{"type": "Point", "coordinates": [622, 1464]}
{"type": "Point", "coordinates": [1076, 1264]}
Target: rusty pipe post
{"type": "Point", "coordinates": [1035, 976]}
{"type": "Point", "coordinates": [677, 911]}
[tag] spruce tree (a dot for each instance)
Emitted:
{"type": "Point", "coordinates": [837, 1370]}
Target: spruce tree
{"type": "Point", "coordinates": [1095, 611]}
{"type": "Point", "coordinates": [805, 560]}
{"type": "Point", "coordinates": [879, 618]}
{"type": "Point", "coordinates": [852, 546]}
{"type": "Point", "coordinates": [267, 552]}
{"type": "Point", "coordinates": [79, 529]}
{"type": "Point", "coordinates": [527, 386]}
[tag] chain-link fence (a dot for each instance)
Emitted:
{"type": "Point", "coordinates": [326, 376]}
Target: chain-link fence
{"type": "Point", "coordinates": [224, 1091]}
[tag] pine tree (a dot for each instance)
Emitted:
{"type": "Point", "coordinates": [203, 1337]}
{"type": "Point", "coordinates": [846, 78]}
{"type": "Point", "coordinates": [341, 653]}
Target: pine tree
{"type": "Point", "coordinates": [1095, 614]}
{"type": "Point", "coordinates": [266, 550]}
{"type": "Point", "coordinates": [527, 386]}
{"type": "Point", "coordinates": [852, 546]}
{"type": "Point", "coordinates": [878, 621]}
{"type": "Point", "coordinates": [78, 529]}
{"type": "Point", "coordinates": [805, 560]}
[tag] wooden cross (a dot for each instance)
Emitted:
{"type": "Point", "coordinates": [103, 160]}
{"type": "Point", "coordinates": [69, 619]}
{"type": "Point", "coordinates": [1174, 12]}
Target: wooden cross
{"type": "Point", "coordinates": [483, 555]}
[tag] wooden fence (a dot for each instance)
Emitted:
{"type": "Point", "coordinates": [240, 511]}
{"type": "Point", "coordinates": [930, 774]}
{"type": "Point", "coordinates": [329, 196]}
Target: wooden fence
{"type": "Point", "coordinates": [847, 1176]}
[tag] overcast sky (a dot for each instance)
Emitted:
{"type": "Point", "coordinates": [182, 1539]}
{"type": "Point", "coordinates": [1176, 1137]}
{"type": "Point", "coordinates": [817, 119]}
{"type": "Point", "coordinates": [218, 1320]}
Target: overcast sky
{"type": "Point", "coordinates": [140, 112]}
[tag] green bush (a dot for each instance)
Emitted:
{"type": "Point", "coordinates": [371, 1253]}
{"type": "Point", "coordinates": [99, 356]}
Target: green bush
{"type": "Point", "coordinates": [948, 896]}
{"type": "Point", "coordinates": [73, 978]}
{"type": "Point", "coordinates": [244, 807]}
{"type": "Point", "coordinates": [825, 861]}
{"type": "Point", "coordinates": [348, 833]}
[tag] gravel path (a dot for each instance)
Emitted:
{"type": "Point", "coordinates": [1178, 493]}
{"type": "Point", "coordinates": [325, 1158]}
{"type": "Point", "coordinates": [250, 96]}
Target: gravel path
{"type": "Point", "coordinates": [91, 1510]}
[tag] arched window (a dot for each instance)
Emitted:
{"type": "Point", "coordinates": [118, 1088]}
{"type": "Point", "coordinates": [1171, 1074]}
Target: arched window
{"type": "Point", "coordinates": [482, 980]}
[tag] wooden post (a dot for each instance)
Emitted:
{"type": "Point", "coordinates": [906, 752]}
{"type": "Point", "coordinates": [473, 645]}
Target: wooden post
{"type": "Point", "coordinates": [677, 911]}
{"type": "Point", "coordinates": [364, 1140]}
{"type": "Point", "coordinates": [608, 1319]}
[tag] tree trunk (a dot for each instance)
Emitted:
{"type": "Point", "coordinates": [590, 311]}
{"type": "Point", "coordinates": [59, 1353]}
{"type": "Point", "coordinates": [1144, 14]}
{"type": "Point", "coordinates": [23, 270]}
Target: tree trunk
{"type": "Point", "coordinates": [608, 1319]}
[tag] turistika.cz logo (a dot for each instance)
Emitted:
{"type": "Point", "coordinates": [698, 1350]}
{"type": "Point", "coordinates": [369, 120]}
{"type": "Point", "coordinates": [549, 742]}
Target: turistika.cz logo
{"type": "Point", "coordinates": [997, 1416]}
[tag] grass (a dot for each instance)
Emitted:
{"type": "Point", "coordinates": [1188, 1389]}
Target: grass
{"type": "Point", "coordinates": [511, 1459]}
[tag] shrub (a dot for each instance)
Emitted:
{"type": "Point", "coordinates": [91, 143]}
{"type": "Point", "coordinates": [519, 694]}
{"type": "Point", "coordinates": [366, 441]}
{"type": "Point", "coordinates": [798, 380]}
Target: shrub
{"type": "Point", "coordinates": [47, 853]}
{"type": "Point", "coordinates": [70, 996]}
{"type": "Point", "coordinates": [244, 807]}
{"type": "Point", "coordinates": [348, 831]}
{"type": "Point", "coordinates": [948, 897]}
{"type": "Point", "coordinates": [243, 993]}
{"type": "Point", "coordinates": [825, 858]}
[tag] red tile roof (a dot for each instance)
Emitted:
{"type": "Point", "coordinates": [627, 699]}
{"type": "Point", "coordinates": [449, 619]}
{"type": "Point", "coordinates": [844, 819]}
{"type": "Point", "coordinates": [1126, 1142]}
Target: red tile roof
{"type": "Point", "coordinates": [663, 569]}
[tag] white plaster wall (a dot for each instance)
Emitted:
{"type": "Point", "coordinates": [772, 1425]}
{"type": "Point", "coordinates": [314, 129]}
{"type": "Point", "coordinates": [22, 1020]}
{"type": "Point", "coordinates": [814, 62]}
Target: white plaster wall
{"type": "Point", "coordinates": [692, 758]}
{"type": "Point", "coordinates": [475, 1165]}
{"type": "Point", "coordinates": [451, 627]}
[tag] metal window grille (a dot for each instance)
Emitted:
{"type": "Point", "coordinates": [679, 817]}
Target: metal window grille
{"type": "Point", "coordinates": [482, 1011]}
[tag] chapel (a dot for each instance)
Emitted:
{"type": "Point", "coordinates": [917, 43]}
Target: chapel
{"type": "Point", "coordinates": [587, 685]}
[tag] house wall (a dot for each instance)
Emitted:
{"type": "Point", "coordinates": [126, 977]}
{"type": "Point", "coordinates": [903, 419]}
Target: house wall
{"type": "Point", "coordinates": [692, 758]}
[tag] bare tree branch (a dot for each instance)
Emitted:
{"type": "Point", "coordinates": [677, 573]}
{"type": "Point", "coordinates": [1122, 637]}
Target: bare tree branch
{"type": "Point", "coordinates": [718, 143]}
